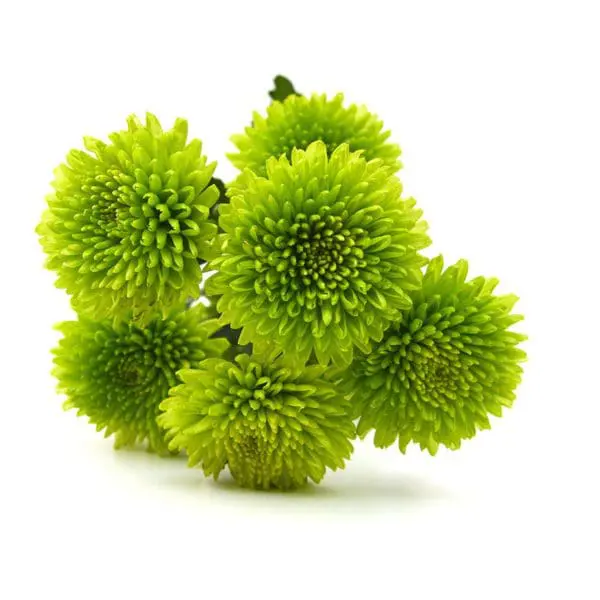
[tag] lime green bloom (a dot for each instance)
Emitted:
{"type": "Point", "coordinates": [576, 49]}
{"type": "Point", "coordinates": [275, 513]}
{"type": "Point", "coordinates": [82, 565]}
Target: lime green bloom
{"type": "Point", "coordinates": [298, 121]}
{"type": "Point", "coordinates": [117, 374]}
{"type": "Point", "coordinates": [443, 368]}
{"type": "Point", "coordinates": [274, 426]}
{"type": "Point", "coordinates": [128, 221]}
{"type": "Point", "coordinates": [318, 256]}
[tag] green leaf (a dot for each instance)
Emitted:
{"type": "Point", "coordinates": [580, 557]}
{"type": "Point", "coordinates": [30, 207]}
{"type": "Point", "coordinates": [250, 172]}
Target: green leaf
{"type": "Point", "coordinates": [283, 88]}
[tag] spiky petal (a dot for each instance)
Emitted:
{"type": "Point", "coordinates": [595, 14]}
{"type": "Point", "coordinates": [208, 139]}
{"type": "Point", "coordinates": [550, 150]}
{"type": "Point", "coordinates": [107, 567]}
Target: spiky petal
{"type": "Point", "coordinates": [272, 425]}
{"type": "Point", "coordinates": [298, 121]}
{"type": "Point", "coordinates": [440, 371]}
{"type": "Point", "coordinates": [117, 374]}
{"type": "Point", "coordinates": [318, 256]}
{"type": "Point", "coordinates": [128, 220]}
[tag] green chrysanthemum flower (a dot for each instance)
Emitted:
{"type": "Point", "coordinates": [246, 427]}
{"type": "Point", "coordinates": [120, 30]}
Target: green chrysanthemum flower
{"type": "Point", "coordinates": [298, 121]}
{"type": "Point", "coordinates": [439, 372]}
{"type": "Point", "coordinates": [272, 425]}
{"type": "Point", "coordinates": [128, 220]}
{"type": "Point", "coordinates": [319, 255]}
{"type": "Point", "coordinates": [117, 374]}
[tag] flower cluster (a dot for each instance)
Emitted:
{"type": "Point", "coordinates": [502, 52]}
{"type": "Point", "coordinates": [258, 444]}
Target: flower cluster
{"type": "Point", "coordinates": [321, 318]}
{"type": "Point", "coordinates": [298, 121]}
{"type": "Point", "coordinates": [272, 424]}
{"type": "Point", "coordinates": [319, 255]}
{"type": "Point", "coordinates": [117, 374]}
{"type": "Point", "coordinates": [438, 372]}
{"type": "Point", "coordinates": [128, 221]}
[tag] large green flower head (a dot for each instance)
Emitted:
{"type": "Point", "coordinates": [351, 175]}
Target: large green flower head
{"type": "Point", "coordinates": [298, 121]}
{"type": "Point", "coordinates": [128, 220]}
{"type": "Point", "coordinates": [318, 256]}
{"type": "Point", "coordinates": [117, 374]}
{"type": "Point", "coordinates": [273, 425]}
{"type": "Point", "coordinates": [443, 368]}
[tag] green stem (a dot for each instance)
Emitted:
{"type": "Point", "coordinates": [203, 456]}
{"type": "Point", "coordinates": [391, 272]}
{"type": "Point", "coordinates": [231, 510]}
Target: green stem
{"type": "Point", "coordinates": [283, 88]}
{"type": "Point", "coordinates": [233, 337]}
{"type": "Point", "coordinates": [223, 199]}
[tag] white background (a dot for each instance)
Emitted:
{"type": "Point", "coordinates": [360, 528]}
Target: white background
{"type": "Point", "coordinates": [497, 108]}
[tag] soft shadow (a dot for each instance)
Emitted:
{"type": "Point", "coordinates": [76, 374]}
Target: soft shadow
{"type": "Point", "coordinates": [142, 450]}
{"type": "Point", "coordinates": [338, 492]}
{"type": "Point", "coordinates": [388, 487]}
{"type": "Point", "coordinates": [354, 489]}
{"type": "Point", "coordinates": [144, 465]}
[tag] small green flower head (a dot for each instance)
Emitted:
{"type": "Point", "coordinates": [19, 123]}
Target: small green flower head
{"type": "Point", "coordinates": [298, 121]}
{"type": "Point", "coordinates": [117, 374]}
{"type": "Point", "coordinates": [318, 256]}
{"type": "Point", "coordinates": [128, 220]}
{"type": "Point", "coordinates": [439, 372]}
{"type": "Point", "coordinates": [274, 426]}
